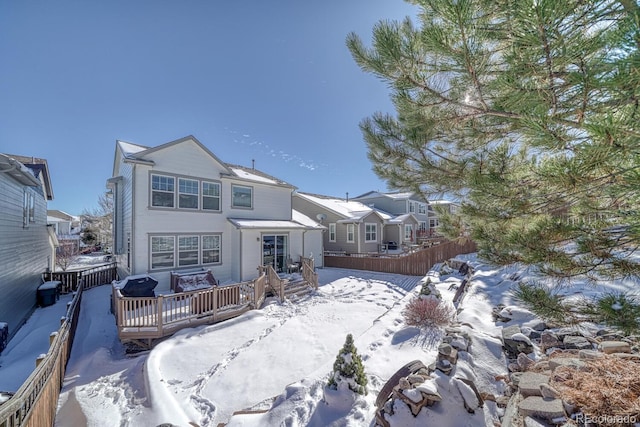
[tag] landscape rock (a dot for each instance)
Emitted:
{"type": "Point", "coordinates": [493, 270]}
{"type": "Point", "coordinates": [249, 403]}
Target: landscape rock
{"type": "Point", "coordinates": [529, 383]}
{"type": "Point", "coordinates": [546, 409]}
{"type": "Point", "coordinates": [532, 422]}
{"type": "Point", "coordinates": [514, 341]}
{"type": "Point", "coordinates": [549, 392]}
{"type": "Point", "coordinates": [576, 342]}
{"type": "Point", "coordinates": [610, 347]}
{"type": "Point", "coordinates": [550, 340]}
{"type": "Point", "coordinates": [525, 362]}
{"type": "Point", "coordinates": [571, 362]}
{"type": "Point", "coordinates": [590, 354]}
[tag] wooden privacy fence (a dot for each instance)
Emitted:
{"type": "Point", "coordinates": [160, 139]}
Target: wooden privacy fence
{"type": "Point", "coordinates": [36, 401]}
{"type": "Point", "coordinates": [416, 263]}
{"type": "Point", "coordinates": [91, 277]}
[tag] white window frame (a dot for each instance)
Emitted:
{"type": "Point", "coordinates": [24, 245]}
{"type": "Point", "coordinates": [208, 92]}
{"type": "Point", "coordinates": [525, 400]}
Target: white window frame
{"type": "Point", "coordinates": [188, 191]}
{"type": "Point", "coordinates": [422, 208]}
{"type": "Point", "coordinates": [25, 208]}
{"type": "Point", "coordinates": [370, 232]}
{"type": "Point", "coordinates": [181, 240]}
{"type": "Point", "coordinates": [234, 187]}
{"type": "Point", "coordinates": [163, 190]}
{"type": "Point", "coordinates": [412, 206]}
{"type": "Point", "coordinates": [422, 226]}
{"type": "Point", "coordinates": [332, 232]}
{"type": "Point", "coordinates": [172, 252]}
{"type": "Point", "coordinates": [207, 196]}
{"type": "Point", "coordinates": [351, 233]}
{"type": "Point", "coordinates": [216, 247]}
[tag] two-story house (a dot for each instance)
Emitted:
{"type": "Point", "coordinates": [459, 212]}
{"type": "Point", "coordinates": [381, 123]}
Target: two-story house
{"type": "Point", "coordinates": [66, 227]}
{"type": "Point", "coordinates": [354, 227]}
{"type": "Point", "coordinates": [27, 247]}
{"type": "Point", "coordinates": [402, 203]}
{"type": "Point", "coordinates": [177, 206]}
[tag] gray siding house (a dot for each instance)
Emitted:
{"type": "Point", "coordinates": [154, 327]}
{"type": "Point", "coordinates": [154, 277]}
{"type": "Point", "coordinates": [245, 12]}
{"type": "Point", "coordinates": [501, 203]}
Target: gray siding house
{"type": "Point", "coordinates": [27, 247]}
{"type": "Point", "coordinates": [402, 203]}
{"type": "Point", "coordinates": [178, 207]}
{"type": "Point", "coordinates": [352, 227]}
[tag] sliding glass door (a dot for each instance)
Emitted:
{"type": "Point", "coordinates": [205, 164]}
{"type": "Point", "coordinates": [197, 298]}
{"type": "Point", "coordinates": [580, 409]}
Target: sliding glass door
{"type": "Point", "coordinates": [274, 251]}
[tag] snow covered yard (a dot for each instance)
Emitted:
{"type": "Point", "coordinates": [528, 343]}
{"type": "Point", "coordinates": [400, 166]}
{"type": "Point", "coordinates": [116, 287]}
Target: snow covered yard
{"type": "Point", "coordinates": [278, 359]}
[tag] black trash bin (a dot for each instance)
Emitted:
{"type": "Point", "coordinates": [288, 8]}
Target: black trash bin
{"type": "Point", "coordinates": [49, 293]}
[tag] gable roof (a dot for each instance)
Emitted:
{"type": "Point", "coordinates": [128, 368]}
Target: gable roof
{"type": "Point", "coordinates": [136, 153]}
{"type": "Point", "coordinates": [348, 209]}
{"type": "Point", "coordinates": [399, 195]}
{"type": "Point", "coordinates": [28, 171]}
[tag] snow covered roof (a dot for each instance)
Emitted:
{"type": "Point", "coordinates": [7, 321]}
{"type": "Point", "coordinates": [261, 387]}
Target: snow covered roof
{"type": "Point", "coordinates": [298, 222]}
{"type": "Point", "coordinates": [405, 195]}
{"type": "Point", "coordinates": [345, 208]}
{"type": "Point", "coordinates": [255, 175]}
{"type": "Point", "coordinates": [129, 149]}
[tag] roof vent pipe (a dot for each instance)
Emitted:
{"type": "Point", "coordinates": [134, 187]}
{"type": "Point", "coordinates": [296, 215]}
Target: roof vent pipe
{"type": "Point", "coordinates": [253, 164]}
{"type": "Point", "coordinates": [347, 196]}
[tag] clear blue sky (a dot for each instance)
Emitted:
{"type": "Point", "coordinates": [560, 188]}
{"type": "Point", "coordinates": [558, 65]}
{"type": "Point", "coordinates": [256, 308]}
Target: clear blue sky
{"type": "Point", "coordinates": [266, 80]}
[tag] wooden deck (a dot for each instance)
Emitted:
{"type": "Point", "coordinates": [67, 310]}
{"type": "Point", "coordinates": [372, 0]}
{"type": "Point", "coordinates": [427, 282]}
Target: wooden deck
{"type": "Point", "coordinates": [145, 319]}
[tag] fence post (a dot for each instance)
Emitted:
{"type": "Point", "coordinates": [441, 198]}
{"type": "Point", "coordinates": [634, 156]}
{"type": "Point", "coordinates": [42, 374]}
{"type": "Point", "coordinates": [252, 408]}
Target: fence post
{"type": "Point", "coordinates": [159, 314]}
{"type": "Point", "coordinates": [215, 304]}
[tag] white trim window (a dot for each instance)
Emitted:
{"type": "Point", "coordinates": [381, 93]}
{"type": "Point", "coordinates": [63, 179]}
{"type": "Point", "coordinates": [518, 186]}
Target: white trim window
{"type": "Point", "coordinates": [433, 223]}
{"type": "Point", "coordinates": [412, 206]}
{"type": "Point", "coordinates": [422, 226]}
{"type": "Point", "coordinates": [351, 233]}
{"type": "Point", "coordinates": [188, 250]}
{"type": "Point", "coordinates": [162, 191]}
{"type": "Point", "coordinates": [211, 249]}
{"type": "Point", "coordinates": [188, 191]}
{"type": "Point", "coordinates": [162, 252]}
{"type": "Point", "coordinates": [332, 232]}
{"type": "Point", "coordinates": [241, 197]}
{"type": "Point", "coordinates": [210, 196]}
{"type": "Point", "coordinates": [370, 232]}
{"type": "Point", "coordinates": [422, 208]}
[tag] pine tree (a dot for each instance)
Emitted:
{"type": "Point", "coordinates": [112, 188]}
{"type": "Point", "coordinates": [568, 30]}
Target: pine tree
{"type": "Point", "coordinates": [527, 112]}
{"type": "Point", "coordinates": [348, 368]}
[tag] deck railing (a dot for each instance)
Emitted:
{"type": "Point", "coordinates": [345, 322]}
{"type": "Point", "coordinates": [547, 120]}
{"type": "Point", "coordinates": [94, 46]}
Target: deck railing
{"type": "Point", "coordinates": [309, 272]}
{"type": "Point", "coordinates": [144, 319]}
{"type": "Point", "coordinates": [90, 277]}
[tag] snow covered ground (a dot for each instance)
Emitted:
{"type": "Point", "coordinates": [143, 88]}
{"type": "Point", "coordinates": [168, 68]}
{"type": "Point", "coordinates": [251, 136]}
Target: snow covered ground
{"type": "Point", "coordinates": [279, 358]}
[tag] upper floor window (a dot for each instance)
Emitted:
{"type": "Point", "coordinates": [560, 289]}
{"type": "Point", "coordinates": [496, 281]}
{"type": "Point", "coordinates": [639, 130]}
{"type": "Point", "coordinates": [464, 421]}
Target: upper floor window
{"type": "Point", "coordinates": [162, 188]}
{"type": "Point", "coordinates": [28, 207]}
{"type": "Point", "coordinates": [422, 208]}
{"type": "Point", "coordinates": [188, 193]}
{"type": "Point", "coordinates": [351, 233]}
{"type": "Point", "coordinates": [211, 196]}
{"type": "Point", "coordinates": [241, 196]}
{"type": "Point", "coordinates": [332, 232]}
{"type": "Point", "coordinates": [412, 206]}
{"type": "Point", "coordinates": [370, 232]}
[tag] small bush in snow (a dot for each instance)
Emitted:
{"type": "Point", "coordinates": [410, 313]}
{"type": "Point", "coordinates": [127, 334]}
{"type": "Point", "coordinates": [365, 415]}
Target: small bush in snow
{"type": "Point", "coordinates": [348, 369]}
{"type": "Point", "coordinates": [428, 289]}
{"type": "Point", "coordinates": [427, 312]}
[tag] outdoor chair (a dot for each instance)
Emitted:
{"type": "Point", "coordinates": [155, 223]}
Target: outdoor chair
{"type": "Point", "coordinates": [292, 267]}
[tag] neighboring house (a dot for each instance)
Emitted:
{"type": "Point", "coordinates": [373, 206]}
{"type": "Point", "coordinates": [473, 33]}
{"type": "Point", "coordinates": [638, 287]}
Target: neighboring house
{"type": "Point", "coordinates": [401, 203]}
{"type": "Point", "coordinates": [179, 207]}
{"type": "Point", "coordinates": [27, 247]}
{"type": "Point", "coordinates": [448, 206]}
{"type": "Point", "coordinates": [66, 227]}
{"type": "Point", "coordinates": [353, 227]}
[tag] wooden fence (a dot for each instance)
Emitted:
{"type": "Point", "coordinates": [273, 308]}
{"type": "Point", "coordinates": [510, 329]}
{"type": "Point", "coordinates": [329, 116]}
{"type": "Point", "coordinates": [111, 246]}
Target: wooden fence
{"type": "Point", "coordinates": [416, 263]}
{"type": "Point", "coordinates": [91, 277]}
{"type": "Point", "coordinates": [36, 401]}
